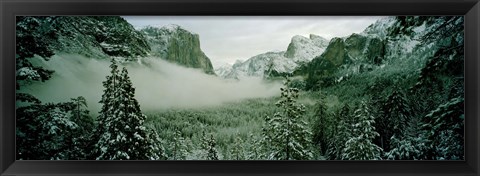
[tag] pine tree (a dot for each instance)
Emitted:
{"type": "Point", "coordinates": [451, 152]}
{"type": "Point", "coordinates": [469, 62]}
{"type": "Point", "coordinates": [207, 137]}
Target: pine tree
{"type": "Point", "coordinates": [395, 119]}
{"type": "Point", "coordinates": [444, 129]}
{"type": "Point", "coordinates": [108, 114]}
{"type": "Point", "coordinates": [254, 148]}
{"type": "Point", "coordinates": [79, 140]}
{"type": "Point", "coordinates": [44, 131]}
{"type": "Point", "coordinates": [34, 36]}
{"type": "Point", "coordinates": [406, 148]}
{"type": "Point", "coordinates": [179, 146]}
{"type": "Point", "coordinates": [322, 126]}
{"type": "Point", "coordinates": [342, 133]}
{"type": "Point", "coordinates": [238, 149]}
{"type": "Point", "coordinates": [155, 149]}
{"type": "Point", "coordinates": [286, 134]}
{"type": "Point", "coordinates": [360, 146]}
{"type": "Point", "coordinates": [122, 131]}
{"type": "Point", "coordinates": [209, 147]}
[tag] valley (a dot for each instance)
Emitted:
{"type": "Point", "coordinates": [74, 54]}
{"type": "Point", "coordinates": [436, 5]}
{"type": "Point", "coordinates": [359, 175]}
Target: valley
{"type": "Point", "coordinates": [391, 92]}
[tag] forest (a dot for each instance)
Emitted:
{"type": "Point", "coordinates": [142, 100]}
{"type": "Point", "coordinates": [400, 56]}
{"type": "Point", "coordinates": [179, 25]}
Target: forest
{"type": "Point", "coordinates": [394, 107]}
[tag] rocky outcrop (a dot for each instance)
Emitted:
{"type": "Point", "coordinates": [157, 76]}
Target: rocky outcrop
{"type": "Point", "coordinates": [179, 46]}
{"type": "Point", "coordinates": [354, 48]}
{"type": "Point", "coordinates": [97, 36]}
{"type": "Point", "coordinates": [305, 49]}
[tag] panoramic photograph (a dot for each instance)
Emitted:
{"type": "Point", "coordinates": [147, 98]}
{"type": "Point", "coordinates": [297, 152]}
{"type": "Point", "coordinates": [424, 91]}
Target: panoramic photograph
{"type": "Point", "coordinates": [240, 88]}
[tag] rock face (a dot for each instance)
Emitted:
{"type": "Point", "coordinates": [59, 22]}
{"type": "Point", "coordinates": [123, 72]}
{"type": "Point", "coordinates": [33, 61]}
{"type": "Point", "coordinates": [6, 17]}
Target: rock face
{"type": "Point", "coordinates": [300, 51]}
{"type": "Point", "coordinates": [305, 49]}
{"type": "Point", "coordinates": [354, 48]}
{"type": "Point", "coordinates": [389, 40]}
{"type": "Point", "coordinates": [98, 37]}
{"type": "Point", "coordinates": [262, 65]}
{"type": "Point", "coordinates": [104, 37]}
{"type": "Point", "coordinates": [178, 45]}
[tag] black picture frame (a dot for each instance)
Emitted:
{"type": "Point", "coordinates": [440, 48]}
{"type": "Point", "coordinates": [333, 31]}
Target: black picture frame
{"type": "Point", "coordinates": [10, 8]}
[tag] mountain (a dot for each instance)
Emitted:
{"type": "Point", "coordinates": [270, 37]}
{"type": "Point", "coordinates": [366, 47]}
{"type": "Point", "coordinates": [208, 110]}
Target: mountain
{"type": "Point", "coordinates": [105, 37]}
{"type": "Point", "coordinates": [177, 45]}
{"type": "Point", "coordinates": [300, 51]}
{"type": "Point", "coordinates": [305, 49]}
{"type": "Point", "coordinates": [388, 39]}
{"type": "Point", "coordinates": [340, 51]}
{"type": "Point", "coordinates": [223, 69]}
{"type": "Point", "coordinates": [92, 36]}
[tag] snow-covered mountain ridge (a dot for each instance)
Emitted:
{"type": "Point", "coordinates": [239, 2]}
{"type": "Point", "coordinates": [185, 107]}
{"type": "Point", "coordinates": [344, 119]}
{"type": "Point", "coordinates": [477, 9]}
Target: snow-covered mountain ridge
{"type": "Point", "coordinates": [387, 40]}
{"type": "Point", "coordinates": [300, 51]}
{"type": "Point", "coordinates": [106, 37]}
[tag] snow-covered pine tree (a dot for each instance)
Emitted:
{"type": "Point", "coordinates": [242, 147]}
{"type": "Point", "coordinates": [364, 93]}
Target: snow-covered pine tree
{"type": "Point", "coordinates": [254, 148]}
{"type": "Point", "coordinates": [444, 129]}
{"type": "Point", "coordinates": [79, 141]}
{"type": "Point", "coordinates": [179, 147]}
{"type": "Point", "coordinates": [237, 150]}
{"type": "Point", "coordinates": [209, 147]}
{"type": "Point", "coordinates": [155, 149]}
{"type": "Point", "coordinates": [109, 101]}
{"type": "Point", "coordinates": [342, 133]}
{"type": "Point", "coordinates": [411, 145]}
{"type": "Point", "coordinates": [286, 134]}
{"type": "Point", "coordinates": [360, 145]}
{"type": "Point", "coordinates": [34, 36]}
{"type": "Point", "coordinates": [122, 132]}
{"type": "Point", "coordinates": [406, 148]}
{"type": "Point", "coordinates": [322, 126]}
{"type": "Point", "coordinates": [43, 131]}
{"type": "Point", "coordinates": [396, 116]}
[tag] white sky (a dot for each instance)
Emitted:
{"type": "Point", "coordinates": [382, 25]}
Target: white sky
{"type": "Point", "coordinates": [225, 39]}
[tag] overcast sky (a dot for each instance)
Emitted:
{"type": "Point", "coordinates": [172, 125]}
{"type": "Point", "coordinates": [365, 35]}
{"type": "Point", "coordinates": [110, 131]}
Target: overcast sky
{"type": "Point", "coordinates": [225, 39]}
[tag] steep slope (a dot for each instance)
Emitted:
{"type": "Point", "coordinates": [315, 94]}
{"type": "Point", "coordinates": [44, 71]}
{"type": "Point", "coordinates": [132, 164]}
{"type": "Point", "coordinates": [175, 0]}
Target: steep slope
{"type": "Point", "coordinates": [104, 37]}
{"type": "Point", "coordinates": [354, 48]}
{"type": "Point", "coordinates": [177, 45]}
{"type": "Point", "coordinates": [98, 37]}
{"type": "Point", "coordinates": [305, 49]}
{"type": "Point", "coordinates": [94, 37]}
{"type": "Point", "coordinates": [388, 40]}
{"type": "Point", "coordinates": [300, 51]}
{"type": "Point", "coordinates": [359, 51]}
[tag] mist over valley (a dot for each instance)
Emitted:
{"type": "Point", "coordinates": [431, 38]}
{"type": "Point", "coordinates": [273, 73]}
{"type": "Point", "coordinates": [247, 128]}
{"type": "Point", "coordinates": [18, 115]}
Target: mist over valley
{"type": "Point", "coordinates": [99, 88]}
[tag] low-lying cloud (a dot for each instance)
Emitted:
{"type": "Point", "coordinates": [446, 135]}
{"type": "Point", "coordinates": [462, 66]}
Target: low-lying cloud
{"type": "Point", "coordinates": [159, 84]}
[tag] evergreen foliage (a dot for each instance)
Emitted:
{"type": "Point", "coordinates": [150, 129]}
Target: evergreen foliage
{"type": "Point", "coordinates": [209, 147]}
{"type": "Point", "coordinates": [427, 123]}
{"type": "Point", "coordinates": [360, 146]}
{"type": "Point", "coordinates": [33, 37]}
{"type": "Point", "coordinates": [444, 129]}
{"type": "Point", "coordinates": [406, 148]}
{"type": "Point", "coordinates": [286, 134]}
{"type": "Point", "coordinates": [123, 135]}
{"type": "Point", "coordinates": [396, 114]}
{"type": "Point", "coordinates": [53, 131]}
{"type": "Point", "coordinates": [179, 147]}
{"type": "Point", "coordinates": [341, 134]}
{"type": "Point", "coordinates": [322, 126]}
{"type": "Point", "coordinates": [237, 150]}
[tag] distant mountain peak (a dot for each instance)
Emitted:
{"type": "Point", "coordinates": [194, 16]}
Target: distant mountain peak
{"type": "Point", "coordinates": [305, 49]}
{"type": "Point", "coordinates": [301, 49]}
{"type": "Point", "coordinates": [174, 28]}
{"type": "Point", "coordinates": [317, 37]}
{"type": "Point", "coordinates": [178, 45]}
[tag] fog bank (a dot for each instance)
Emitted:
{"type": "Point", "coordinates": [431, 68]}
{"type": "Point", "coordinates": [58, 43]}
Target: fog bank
{"type": "Point", "coordinates": [159, 84]}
